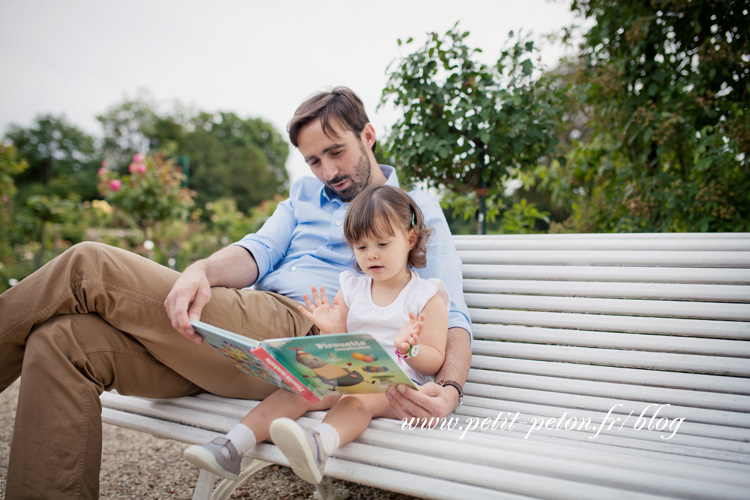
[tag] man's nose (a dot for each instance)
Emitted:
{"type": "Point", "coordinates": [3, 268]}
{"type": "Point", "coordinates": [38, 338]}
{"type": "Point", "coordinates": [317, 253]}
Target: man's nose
{"type": "Point", "coordinates": [329, 170]}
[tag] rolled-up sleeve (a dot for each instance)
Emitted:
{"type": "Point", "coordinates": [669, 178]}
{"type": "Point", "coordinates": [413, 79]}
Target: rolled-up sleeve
{"type": "Point", "coordinates": [269, 245]}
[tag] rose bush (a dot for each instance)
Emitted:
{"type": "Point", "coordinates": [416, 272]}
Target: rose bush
{"type": "Point", "coordinates": [151, 195]}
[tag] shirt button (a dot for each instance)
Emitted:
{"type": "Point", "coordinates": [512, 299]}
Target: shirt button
{"type": "Point", "coordinates": [338, 222]}
{"type": "Point", "coordinates": [294, 268]}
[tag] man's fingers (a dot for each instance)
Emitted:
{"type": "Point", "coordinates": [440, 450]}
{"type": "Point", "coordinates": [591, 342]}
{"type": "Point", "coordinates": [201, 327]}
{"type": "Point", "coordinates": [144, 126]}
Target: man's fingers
{"type": "Point", "coordinates": [403, 402]}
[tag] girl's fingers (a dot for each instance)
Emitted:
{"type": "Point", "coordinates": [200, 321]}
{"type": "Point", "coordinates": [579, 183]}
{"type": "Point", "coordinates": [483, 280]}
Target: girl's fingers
{"type": "Point", "coordinates": [315, 296]}
{"type": "Point", "coordinates": [305, 312]}
{"type": "Point", "coordinates": [307, 301]}
{"type": "Point", "coordinates": [323, 295]}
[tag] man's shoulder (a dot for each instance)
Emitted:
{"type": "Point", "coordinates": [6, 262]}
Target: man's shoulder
{"type": "Point", "coordinates": [423, 198]}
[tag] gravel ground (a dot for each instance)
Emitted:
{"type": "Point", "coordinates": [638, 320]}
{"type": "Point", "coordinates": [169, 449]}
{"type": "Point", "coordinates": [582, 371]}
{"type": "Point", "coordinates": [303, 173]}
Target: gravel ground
{"type": "Point", "coordinates": [139, 466]}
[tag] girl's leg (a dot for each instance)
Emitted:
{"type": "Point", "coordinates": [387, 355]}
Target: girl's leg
{"type": "Point", "coordinates": [223, 455]}
{"type": "Point", "coordinates": [281, 403]}
{"type": "Point", "coordinates": [308, 449]}
{"type": "Point", "coordinates": [351, 415]}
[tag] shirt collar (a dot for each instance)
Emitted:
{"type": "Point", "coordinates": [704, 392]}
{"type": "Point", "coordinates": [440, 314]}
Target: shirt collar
{"type": "Point", "coordinates": [328, 195]}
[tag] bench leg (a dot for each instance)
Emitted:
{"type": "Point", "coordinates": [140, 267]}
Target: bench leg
{"type": "Point", "coordinates": [204, 489]}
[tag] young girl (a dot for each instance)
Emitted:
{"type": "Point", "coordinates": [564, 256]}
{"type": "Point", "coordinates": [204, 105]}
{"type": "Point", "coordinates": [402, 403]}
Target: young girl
{"type": "Point", "coordinates": [408, 315]}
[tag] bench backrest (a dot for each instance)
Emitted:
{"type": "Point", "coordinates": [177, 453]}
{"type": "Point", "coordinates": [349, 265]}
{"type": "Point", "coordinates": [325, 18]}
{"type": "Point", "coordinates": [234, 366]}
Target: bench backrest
{"type": "Point", "coordinates": [584, 322]}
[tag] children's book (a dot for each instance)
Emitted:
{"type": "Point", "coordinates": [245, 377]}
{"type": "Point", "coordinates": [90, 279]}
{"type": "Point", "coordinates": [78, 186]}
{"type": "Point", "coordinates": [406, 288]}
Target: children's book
{"type": "Point", "coordinates": [313, 366]}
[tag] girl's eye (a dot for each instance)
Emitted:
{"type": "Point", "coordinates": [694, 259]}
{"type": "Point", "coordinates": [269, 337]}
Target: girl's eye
{"type": "Point", "coordinates": [382, 244]}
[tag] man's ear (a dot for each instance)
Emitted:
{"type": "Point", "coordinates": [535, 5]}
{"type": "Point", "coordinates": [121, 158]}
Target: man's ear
{"type": "Point", "coordinates": [368, 136]}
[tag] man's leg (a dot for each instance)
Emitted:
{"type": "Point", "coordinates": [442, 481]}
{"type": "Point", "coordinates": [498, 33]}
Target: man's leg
{"type": "Point", "coordinates": [128, 292]}
{"type": "Point", "coordinates": [69, 361]}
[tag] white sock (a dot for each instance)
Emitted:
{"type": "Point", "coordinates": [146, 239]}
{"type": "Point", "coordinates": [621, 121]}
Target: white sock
{"type": "Point", "coordinates": [329, 437]}
{"type": "Point", "coordinates": [242, 437]}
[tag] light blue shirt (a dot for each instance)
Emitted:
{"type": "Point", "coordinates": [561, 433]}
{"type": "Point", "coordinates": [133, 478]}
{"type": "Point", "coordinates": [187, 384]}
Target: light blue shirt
{"type": "Point", "coordinates": [302, 245]}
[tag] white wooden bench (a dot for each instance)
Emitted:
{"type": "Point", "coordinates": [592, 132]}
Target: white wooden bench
{"type": "Point", "coordinates": [635, 331]}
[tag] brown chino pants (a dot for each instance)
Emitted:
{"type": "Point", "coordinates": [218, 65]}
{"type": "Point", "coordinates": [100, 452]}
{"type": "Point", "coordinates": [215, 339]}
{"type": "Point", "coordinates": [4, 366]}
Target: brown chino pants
{"type": "Point", "coordinates": [91, 320]}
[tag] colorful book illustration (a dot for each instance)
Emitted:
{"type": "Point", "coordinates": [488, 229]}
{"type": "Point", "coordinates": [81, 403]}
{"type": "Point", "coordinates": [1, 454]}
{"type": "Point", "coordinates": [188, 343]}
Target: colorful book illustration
{"type": "Point", "coordinates": [313, 366]}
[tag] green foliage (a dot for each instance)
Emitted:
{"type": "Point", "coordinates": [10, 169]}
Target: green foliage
{"type": "Point", "coordinates": [504, 216]}
{"type": "Point", "coordinates": [466, 125]}
{"type": "Point", "coordinates": [10, 167]}
{"type": "Point", "coordinates": [666, 87]}
{"type": "Point", "coordinates": [61, 158]}
{"type": "Point", "coordinates": [232, 157]}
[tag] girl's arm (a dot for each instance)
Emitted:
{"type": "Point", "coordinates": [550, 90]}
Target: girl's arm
{"type": "Point", "coordinates": [433, 337]}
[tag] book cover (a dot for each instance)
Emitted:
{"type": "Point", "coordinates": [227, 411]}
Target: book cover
{"type": "Point", "coordinates": [341, 363]}
{"type": "Point", "coordinates": [248, 356]}
{"type": "Point", "coordinates": [313, 366]}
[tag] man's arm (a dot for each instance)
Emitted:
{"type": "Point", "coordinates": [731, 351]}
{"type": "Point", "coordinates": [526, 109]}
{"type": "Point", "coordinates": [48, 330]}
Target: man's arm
{"type": "Point", "coordinates": [433, 400]}
{"type": "Point", "coordinates": [232, 267]}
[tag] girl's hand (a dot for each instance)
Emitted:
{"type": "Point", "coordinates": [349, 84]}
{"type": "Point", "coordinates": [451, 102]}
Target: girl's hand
{"type": "Point", "coordinates": [325, 316]}
{"type": "Point", "coordinates": [408, 335]}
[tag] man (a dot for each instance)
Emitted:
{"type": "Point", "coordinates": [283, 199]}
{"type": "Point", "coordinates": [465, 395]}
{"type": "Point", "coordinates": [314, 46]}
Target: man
{"type": "Point", "coordinates": [94, 319]}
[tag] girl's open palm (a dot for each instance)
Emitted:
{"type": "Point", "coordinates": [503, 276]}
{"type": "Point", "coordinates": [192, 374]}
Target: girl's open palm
{"type": "Point", "coordinates": [408, 335]}
{"type": "Point", "coordinates": [321, 312]}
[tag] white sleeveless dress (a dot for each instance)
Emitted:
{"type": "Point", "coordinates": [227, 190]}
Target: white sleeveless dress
{"type": "Point", "coordinates": [383, 323]}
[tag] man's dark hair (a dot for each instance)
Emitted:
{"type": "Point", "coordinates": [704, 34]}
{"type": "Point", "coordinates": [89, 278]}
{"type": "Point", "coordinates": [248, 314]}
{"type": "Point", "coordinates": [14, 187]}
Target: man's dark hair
{"type": "Point", "coordinates": [341, 106]}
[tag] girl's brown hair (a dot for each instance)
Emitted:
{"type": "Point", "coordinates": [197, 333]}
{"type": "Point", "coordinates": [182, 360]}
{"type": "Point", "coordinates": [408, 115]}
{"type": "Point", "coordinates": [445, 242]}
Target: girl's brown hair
{"type": "Point", "coordinates": [374, 212]}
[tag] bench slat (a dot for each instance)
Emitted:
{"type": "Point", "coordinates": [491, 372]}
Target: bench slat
{"type": "Point", "coordinates": [711, 365]}
{"type": "Point", "coordinates": [571, 401]}
{"type": "Point", "coordinates": [601, 322]}
{"type": "Point", "coordinates": [501, 270]}
{"type": "Point", "coordinates": [667, 379]}
{"type": "Point", "coordinates": [741, 244]}
{"type": "Point", "coordinates": [619, 290]}
{"type": "Point", "coordinates": [634, 392]}
{"type": "Point", "coordinates": [623, 307]}
{"type": "Point", "coordinates": [630, 341]}
{"type": "Point", "coordinates": [672, 258]}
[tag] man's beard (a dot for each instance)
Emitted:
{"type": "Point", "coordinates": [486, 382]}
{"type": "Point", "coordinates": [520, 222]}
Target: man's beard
{"type": "Point", "coordinates": [358, 181]}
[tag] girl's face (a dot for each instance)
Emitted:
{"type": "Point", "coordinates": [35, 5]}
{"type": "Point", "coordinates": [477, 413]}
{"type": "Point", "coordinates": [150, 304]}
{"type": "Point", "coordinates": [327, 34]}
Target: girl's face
{"type": "Point", "coordinates": [385, 258]}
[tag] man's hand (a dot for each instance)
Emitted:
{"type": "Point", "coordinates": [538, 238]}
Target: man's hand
{"type": "Point", "coordinates": [431, 401]}
{"type": "Point", "coordinates": [190, 293]}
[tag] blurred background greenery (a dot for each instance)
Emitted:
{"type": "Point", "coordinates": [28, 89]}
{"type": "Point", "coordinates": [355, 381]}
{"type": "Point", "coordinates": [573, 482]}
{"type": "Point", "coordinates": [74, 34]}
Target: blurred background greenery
{"type": "Point", "coordinates": [646, 129]}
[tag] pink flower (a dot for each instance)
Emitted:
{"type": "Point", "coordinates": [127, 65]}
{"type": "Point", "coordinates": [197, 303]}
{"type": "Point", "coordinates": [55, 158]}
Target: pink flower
{"type": "Point", "coordinates": [102, 171]}
{"type": "Point", "coordinates": [115, 185]}
{"type": "Point", "coordinates": [105, 164]}
{"type": "Point", "coordinates": [137, 167]}
{"type": "Point", "coordinates": [6, 199]}
{"type": "Point", "coordinates": [138, 158]}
